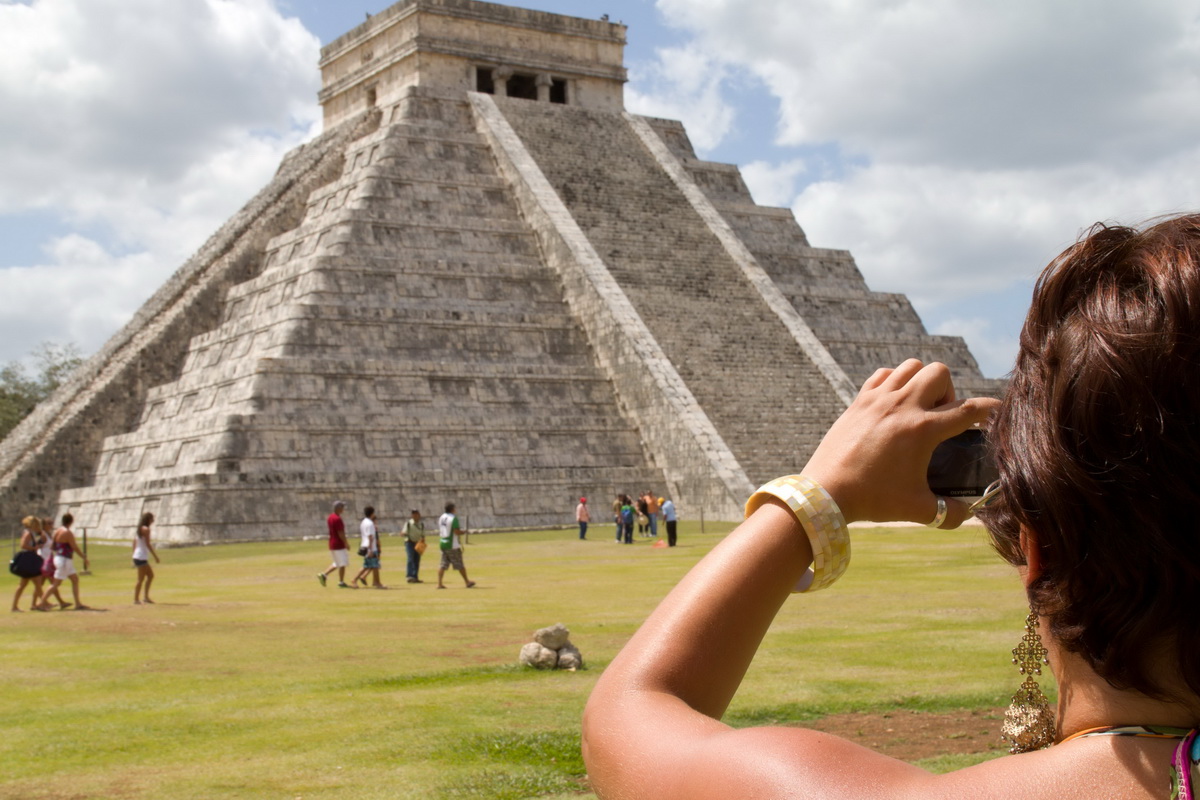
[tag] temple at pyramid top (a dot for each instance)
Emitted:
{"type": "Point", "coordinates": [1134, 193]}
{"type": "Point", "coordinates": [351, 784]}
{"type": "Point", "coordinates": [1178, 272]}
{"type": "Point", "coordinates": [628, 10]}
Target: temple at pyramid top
{"type": "Point", "coordinates": [463, 45]}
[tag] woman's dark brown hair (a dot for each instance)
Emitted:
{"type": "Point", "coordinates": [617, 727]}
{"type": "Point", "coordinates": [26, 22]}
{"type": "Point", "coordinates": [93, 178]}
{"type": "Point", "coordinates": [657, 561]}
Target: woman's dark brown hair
{"type": "Point", "coordinates": [1098, 445]}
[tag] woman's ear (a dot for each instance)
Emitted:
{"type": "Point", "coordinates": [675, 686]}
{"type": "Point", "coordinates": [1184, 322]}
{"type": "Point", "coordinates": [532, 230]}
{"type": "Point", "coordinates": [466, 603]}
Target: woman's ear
{"type": "Point", "coordinates": [1033, 556]}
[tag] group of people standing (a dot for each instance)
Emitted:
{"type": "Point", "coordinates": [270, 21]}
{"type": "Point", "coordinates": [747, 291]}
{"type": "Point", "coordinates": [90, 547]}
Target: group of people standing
{"type": "Point", "coordinates": [53, 550]}
{"type": "Point", "coordinates": [449, 530]}
{"type": "Point", "coordinates": [643, 511]}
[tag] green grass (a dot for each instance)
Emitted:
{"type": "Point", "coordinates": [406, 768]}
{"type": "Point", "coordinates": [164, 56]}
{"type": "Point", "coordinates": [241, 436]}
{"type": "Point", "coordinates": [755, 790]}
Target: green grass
{"type": "Point", "coordinates": [247, 679]}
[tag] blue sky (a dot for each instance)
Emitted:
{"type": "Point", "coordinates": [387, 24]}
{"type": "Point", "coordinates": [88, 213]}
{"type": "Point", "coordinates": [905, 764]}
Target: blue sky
{"type": "Point", "coordinates": [952, 146]}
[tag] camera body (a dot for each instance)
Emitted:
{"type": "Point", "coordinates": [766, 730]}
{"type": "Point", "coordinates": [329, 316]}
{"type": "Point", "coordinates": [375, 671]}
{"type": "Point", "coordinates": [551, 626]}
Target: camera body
{"type": "Point", "coordinates": [962, 466]}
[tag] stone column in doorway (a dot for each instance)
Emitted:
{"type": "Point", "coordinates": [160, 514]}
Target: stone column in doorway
{"type": "Point", "coordinates": [500, 76]}
{"type": "Point", "coordinates": [543, 83]}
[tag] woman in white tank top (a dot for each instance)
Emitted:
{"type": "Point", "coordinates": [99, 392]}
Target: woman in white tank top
{"type": "Point", "coordinates": [142, 551]}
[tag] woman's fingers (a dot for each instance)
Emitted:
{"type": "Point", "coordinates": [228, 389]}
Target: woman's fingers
{"type": "Point", "coordinates": [874, 459]}
{"type": "Point", "coordinates": [876, 379]}
{"type": "Point", "coordinates": [933, 384]}
{"type": "Point", "coordinates": [899, 377]}
{"type": "Point", "coordinates": [957, 416]}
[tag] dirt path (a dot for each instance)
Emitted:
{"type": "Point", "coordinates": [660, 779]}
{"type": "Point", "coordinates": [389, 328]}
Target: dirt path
{"type": "Point", "coordinates": [913, 735]}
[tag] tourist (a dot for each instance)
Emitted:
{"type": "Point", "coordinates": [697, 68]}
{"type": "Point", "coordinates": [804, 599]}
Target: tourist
{"type": "Point", "coordinates": [582, 517]}
{"type": "Point", "coordinates": [414, 545]}
{"type": "Point", "coordinates": [669, 517]}
{"type": "Point", "coordinates": [339, 548]}
{"type": "Point", "coordinates": [32, 537]}
{"type": "Point", "coordinates": [1095, 440]}
{"type": "Point", "coordinates": [65, 549]}
{"type": "Point", "coordinates": [449, 534]}
{"type": "Point", "coordinates": [46, 551]}
{"type": "Point", "coordinates": [627, 518]}
{"type": "Point", "coordinates": [616, 507]}
{"type": "Point", "coordinates": [369, 549]}
{"type": "Point", "coordinates": [643, 517]}
{"type": "Point", "coordinates": [652, 504]}
{"type": "Point", "coordinates": [143, 548]}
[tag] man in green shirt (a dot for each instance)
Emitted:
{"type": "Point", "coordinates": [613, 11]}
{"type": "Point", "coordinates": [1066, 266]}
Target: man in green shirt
{"type": "Point", "coordinates": [448, 534]}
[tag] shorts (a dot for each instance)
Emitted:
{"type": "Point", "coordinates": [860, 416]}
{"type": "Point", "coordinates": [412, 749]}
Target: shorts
{"type": "Point", "coordinates": [141, 562]}
{"type": "Point", "coordinates": [452, 559]}
{"type": "Point", "coordinates": [341, 558]}
{"type": "Point", "coordinates": [63, 568]}
{"type": "Point", "coordinates": [371, 562]}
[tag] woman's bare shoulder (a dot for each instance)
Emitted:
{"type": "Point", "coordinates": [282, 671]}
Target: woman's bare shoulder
{"type": "Point", "coordinates": [802, 763]}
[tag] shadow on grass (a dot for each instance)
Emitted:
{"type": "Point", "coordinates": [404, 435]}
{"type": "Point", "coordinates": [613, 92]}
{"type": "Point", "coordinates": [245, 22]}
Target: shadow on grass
{"type": "Point", "coordinates": [791, 713]}
{"type": "Point", "coordinates": [509, 766]}
{"type": "Point", "coordinates": [458, 677]}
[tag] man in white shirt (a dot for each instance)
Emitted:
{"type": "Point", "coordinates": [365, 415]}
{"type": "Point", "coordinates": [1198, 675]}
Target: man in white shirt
{"type": "Point", "coordinates": [448, 535]}
{"type": "Point", "coordinates": [668, 512]}
{"type": "Point", "coordinates": [369, 550]}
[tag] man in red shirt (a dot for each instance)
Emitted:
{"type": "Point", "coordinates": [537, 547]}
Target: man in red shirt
{"type": "Point", "coordinates": [338, 548]}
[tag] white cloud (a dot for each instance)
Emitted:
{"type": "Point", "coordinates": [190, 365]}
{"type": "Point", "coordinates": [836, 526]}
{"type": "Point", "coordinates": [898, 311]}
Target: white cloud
{"type": "Point", "coordinates": [1022, 83]}
{"type": "Point", "coordinates": [994, 351]}
{"type": "Point", "coordinates": [149, 122]}
{"type": "Point", "coordinates": [773, 184]}
{"type": "Point", "coordinates": [984, 137]}
{"type": "Point", "coordinates": [685, 83]}
{"type": "Point", "coordinates": [82, 294]}
{"type": "Point", "coordinates": [941, 234]}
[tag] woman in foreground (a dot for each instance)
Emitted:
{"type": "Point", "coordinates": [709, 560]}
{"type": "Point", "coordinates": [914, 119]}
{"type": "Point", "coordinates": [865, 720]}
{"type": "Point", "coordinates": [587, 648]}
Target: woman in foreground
{"type": "Point", "coordinates": [1098, 445]}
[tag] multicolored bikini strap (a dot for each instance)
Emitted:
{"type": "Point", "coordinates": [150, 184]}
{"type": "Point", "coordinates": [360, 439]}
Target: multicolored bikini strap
{"type": "Point", "coordinates": [1187, 755]}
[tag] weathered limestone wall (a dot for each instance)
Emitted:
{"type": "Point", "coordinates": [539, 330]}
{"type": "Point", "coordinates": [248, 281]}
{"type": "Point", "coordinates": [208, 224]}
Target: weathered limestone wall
{"type": "Point", "coordinates": [403, 346]}
{"type": "Point", "coordinates": [764, 394]}
{"type": "Point", "coordinates": [437, 44]}
{"type": "Point", "coordinates": [766, 397]}
{"type": "Point", "coordinates": [861, 329]}
{"type": "Point", "coordinates": [744, 259]}
{"type": "Point", "coordinates": [59, 444]}
{"type": "Point", "coordinates": [699, 467]}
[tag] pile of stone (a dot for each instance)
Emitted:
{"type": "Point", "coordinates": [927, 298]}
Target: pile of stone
{"type": "Point", "coordinates": [551, 648]}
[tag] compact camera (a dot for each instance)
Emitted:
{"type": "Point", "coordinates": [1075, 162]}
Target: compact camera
{"type": "Point", "coordinates": [962, 466]}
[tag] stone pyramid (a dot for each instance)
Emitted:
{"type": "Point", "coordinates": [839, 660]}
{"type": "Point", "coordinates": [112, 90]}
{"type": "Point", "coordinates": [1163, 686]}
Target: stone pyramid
{"type": "Point", "coordinates": [484, 283]}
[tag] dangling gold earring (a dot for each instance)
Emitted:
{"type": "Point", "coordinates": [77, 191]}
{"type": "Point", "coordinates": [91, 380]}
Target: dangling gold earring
{"type": "Point", "coordinates": [1029, 720]}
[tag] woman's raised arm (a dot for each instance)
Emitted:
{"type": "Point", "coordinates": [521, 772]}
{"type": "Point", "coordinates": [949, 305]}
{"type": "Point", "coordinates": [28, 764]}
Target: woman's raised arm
{"type": "Point", "coordinates": [651, 727]}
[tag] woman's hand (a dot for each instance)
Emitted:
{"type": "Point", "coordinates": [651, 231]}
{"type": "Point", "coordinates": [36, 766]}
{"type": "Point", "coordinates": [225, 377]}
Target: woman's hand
{"type": "Point", "coordinates": [874, 459]}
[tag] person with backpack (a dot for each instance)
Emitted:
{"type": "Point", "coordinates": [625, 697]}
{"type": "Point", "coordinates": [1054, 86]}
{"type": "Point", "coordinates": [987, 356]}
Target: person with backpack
{"type": "Point", "coordinates": [627, 518]}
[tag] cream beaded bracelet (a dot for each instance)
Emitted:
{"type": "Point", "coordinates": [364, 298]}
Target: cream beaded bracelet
{"type": "Point", "coordinates": [822, 521]}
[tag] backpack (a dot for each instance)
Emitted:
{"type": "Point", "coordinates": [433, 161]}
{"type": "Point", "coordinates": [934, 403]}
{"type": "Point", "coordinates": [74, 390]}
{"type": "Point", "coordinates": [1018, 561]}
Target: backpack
{"type": "Point", "coordinates": [627, 515]}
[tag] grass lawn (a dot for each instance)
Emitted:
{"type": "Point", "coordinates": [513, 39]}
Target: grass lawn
{"type": "Point", "coordinates": [247, 679]}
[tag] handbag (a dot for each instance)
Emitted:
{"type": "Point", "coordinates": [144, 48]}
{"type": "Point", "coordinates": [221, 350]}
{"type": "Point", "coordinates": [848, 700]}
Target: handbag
{"type": "Point", "coordinates": [362, 551]}
{"type": "Point", "coordinates": [419, 546]}
{"type": "Point", "coordinates": [26, 564]}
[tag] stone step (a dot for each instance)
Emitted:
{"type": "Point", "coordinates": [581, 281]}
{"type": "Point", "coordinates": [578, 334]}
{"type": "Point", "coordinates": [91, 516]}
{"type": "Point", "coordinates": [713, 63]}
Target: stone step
{"type": "Point", "coordinates": [683, 284]}
{"type": "Point", "coordinates": [367, 274]}
{"type": "Point", "coordinates": [594, 445]}
{"type": "Point", "coordinates": [390, 380]}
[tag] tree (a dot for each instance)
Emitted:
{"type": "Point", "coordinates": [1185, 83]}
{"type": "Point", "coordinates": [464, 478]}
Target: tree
{"type": "Point", "coordinates": [20, 394]}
